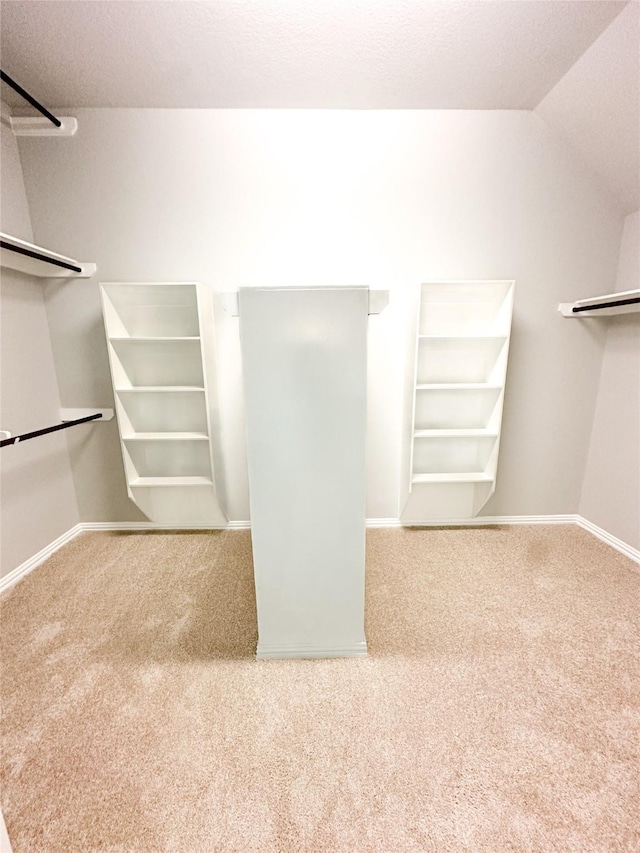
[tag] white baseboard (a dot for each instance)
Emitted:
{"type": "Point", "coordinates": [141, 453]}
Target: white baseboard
{"type": "Point", "coordinates": [265, 652]}
{"type": "Point", "coordinates": [123, 526]}
{"type": "Point", "coordinates": [24, 568]}
{"type": "Point", "coordinates": [479, 521]}
{"type": "Point", "coordinates": [618, 544]}
{"type": "Point", "coordinates": [483, 521]}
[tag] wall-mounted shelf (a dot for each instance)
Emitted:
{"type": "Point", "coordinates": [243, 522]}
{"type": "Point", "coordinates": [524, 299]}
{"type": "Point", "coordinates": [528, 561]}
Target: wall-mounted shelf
{"type": "Point", "coordinates": [625, 302]}
{"type": "Point", "coordinates": [28, 258]}
{"type": "Point", "coordinates": [161, 352]}
{"type": "Point", "coordinates": [461, 350]}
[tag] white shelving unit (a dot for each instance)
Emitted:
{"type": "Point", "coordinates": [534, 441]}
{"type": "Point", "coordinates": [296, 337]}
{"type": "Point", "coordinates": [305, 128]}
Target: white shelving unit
{"type": "Point", "coordinates": [461, 351]}
{"type": "Point", "coordinates": [161, 353]}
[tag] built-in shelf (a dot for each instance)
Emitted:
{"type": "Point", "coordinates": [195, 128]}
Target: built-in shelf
{"type": "Point", "coordinates": [462, 337]}
{"type": "Point", "coordinates": [624, 302]}
{"type": "Point", "coordinates": [461, 350]}
{"type": "Point", "coordinates": [455, 433]}
{"type": "Point", "coordinates": [16, 254]}
{"type": "Point", "coordinates": [161, 353]}
{"type": "Point", "coordinates": [166, 436]}
{"type": "Point", "coordinates": [174, 482]}
{"type": "Point", "coordinates": [145, 339]}
{"type": "Point", "coordinates": [470, 477]}
{"type": "Point", "coordinates": [458, 386]}
{"type": "Point", "coordinates": [162, 389]}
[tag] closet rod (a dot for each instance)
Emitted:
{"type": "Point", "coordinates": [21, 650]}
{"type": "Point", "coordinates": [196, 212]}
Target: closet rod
{"type": "Point", "coordinates": [578, 308]}
{"type": "Point", "coordinates": [20, 250]}
{"type": "Point", "coordinates": [27, 435]}
{"type": "Point", "coordinates": [23, 94]}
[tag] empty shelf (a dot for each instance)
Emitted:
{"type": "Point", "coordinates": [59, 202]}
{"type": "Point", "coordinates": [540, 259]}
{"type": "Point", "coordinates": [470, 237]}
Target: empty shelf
{"type": "Point", "coordinates": [471, 477]}
{"type": "Point", "coordinates": [166, 436]}
{"type": "Point", "coordinates": [458, 386]}
{"type": "Point", "coordinates": [171, 481]}
{"type": "Point", "coordinates": [462, 337]}
{"type": "Point", "coordinates": [148, 339]}
{"type": "Point", "coordinates": [159, 388]}
{"type": "Point", "coordinates": [455, 433]}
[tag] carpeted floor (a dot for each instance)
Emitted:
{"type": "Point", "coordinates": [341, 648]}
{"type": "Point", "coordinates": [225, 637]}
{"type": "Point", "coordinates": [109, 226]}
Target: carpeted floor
{"type": "Point", "coordinates": [498, 710]}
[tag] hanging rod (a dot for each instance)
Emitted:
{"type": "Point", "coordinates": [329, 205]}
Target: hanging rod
{"type": "Point", "coordinates": [29, 98]}
{"type": "Point", "coordinates": [38, 256]}
{"type": "Point", "coordinates": [27, 435]}
{"type": "Point", "coordinates": [622, 302]}
{"type": "Point", "coordinates": [577, 308]}
{"type": "Point", "coordinates": [16, 254]}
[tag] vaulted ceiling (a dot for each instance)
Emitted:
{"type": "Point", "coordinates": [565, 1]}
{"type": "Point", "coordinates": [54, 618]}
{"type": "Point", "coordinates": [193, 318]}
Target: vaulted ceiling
{"type": "Point", "coordinates": [379, 54]}
{"type": "Point", "coordinates": [575, 60]}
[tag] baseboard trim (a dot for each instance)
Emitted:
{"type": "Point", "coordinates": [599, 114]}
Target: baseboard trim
{"type": "Point", "coordinates": [490, 520]}
{"type": "Point", "coordinates": [483, 521]}
{"type": "Point", "coordinates": [33, 562]}
{"type": "Point", "coordinates": [358, 650]}
{"type": "Point", "coordinates": [628, 550]}
{"type": "Point", "coordinates": [123, 526]}
{"type": "Point", "coordinates": [480, 521]}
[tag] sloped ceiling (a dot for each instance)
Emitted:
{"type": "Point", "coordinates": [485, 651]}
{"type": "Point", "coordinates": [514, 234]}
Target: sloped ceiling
{"type": "Point", "coordinates": [596, 108]}
{"type": "Point", "coordinates": [297, 53]}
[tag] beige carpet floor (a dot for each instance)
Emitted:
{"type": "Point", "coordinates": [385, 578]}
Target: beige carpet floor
{"type": "Point", "coordinates": [498, 710]}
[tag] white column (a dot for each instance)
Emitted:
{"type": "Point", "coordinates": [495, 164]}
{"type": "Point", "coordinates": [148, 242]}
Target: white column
{"type": "Point", "coordinates": [304, 354]}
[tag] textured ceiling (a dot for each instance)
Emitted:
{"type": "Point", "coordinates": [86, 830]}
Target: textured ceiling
{"type": "Point", "coordinates": [296, 53]}
{"type": "Point", "coordinates": [596, 108]}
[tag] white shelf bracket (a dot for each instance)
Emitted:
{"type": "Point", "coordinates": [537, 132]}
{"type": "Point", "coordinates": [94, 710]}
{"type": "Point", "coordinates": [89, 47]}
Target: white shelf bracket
{"type": "Point", "coordinates": [378, 301]}
{"type": "Point", "coordinates": [41, 126]}
{"type": "Point", "coordinates": [230, 303]}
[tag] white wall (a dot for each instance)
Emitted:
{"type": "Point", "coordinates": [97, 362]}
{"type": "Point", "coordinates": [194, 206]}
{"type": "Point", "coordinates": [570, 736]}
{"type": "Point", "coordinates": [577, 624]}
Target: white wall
{"type": "Point", "coordinates": [37, 501]}
{"type": "Point", "coordinates": [611, 490]}
{"type": "Point", "coordinates": [596, 107]}
{"type": "Point", "coordinates": [388, 199]}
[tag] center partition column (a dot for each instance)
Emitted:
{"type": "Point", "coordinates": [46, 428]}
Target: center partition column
{"type": "Point", "coordinates": [304, 354]}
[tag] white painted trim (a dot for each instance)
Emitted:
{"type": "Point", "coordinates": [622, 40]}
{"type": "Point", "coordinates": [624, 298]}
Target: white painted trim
{"type": "Point", "coordinates": [604, 536]}
{"type": "Point", "coordinates": [482, 521]}
{"type": "Point", "coordinates": [150, 525]}
{"type": "Point", "coordinates": [24, 568]}
{"type": "Point", "coordinates": [358, 650]}
{"type": "Point", "coordinates": [479, 521]}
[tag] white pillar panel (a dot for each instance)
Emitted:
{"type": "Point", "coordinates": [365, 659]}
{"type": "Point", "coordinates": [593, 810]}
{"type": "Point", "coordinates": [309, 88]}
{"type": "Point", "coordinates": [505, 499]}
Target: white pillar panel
{"type": "Point", "coordinates": [304, 356]}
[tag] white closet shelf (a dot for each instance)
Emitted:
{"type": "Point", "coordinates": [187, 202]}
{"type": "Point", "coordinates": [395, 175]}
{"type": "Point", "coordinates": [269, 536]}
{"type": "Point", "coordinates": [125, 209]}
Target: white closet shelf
{"type": "Point", "coordinates": [455, 433]}
{"type": "Point", "coordinates": [147, 339]}
{"type": "Point", "coordinates": [458, 386]}
{"type": "Point", "coordinates": [461, 351]}
{"type": "Point", "coordinates": [147, 482]}
{"type": "Point", "coordinates": [166, 436]}
{"type": "Point", "coordinates": [163, 389]}
{"type": "Point", "coordinates": [16, 254]}
{"type": "Point", "coordinates": [162, 356]}
{"type": "Point", "coordinates": [471, 477]}
{"type": "Point", "coordinates": [624, 302]}
{"type": "Point", "coordinates": [462, 337]}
